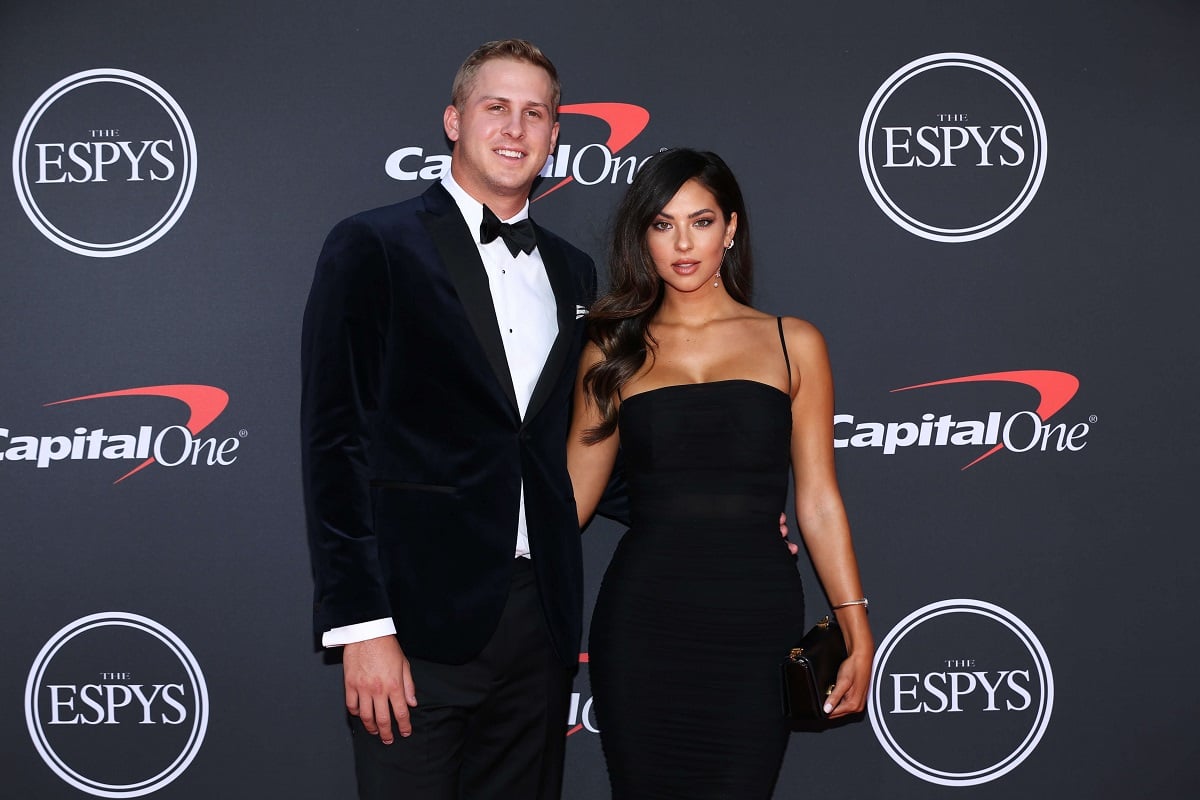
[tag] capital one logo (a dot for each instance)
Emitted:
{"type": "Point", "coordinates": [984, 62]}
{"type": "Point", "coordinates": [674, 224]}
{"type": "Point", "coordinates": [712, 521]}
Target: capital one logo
{"type": "Point", "coordinates": [952, 147]}
{"type": "Point", "coordinates": [961, 692]}
{"type": "Point", "coordinates": [168, 446]}
{"type": "Point", "coordinates": [580, 716]}
{"type": "Point", "coordinates": [104, 163]}
{"type": "Point", "coordinates": [116, 705]}
{"type": "Point", "coordinates": [588, 164]}
{"type": "Point", "coordinates": [1029, 430]}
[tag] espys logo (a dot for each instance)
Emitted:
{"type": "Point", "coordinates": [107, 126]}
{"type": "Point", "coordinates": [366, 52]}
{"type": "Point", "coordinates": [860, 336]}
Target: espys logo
{"type": "Point", "coordinates": [961, 692]}
{"type": "Point", "coordinates": [952, 147]}
{"type": "Point", "coordinates": [122, 685]}
{"type": "Point", "coordinates": [169, 446]}
{"type": "Point", "coordinates": [1020, 432]}
{"type": "Point", "coordinates": [104, 163]}
{"type": "Point", "coordinates": [588, 165]}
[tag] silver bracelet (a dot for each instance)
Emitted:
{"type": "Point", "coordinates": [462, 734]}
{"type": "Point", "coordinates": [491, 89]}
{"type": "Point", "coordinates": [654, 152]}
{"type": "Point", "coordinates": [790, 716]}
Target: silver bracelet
{"type": "Point", "coordinates": [862, 601]}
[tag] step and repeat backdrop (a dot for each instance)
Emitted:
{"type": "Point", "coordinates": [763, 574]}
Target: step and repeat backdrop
{"type": "Point", "coordinates": [989, 210]}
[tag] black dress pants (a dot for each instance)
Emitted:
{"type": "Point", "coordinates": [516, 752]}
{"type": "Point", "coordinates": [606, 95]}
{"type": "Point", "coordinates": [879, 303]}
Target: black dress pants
{"type": "Point", "coordinates": [494, 727]}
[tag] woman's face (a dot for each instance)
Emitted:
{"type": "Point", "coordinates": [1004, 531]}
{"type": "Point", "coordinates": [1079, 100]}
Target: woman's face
{"type": "Point", "coordinates": [688, 238]}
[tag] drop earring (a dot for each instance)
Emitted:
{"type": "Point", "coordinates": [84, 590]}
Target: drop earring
{"type": "Point", "coordinates": [717, 277]}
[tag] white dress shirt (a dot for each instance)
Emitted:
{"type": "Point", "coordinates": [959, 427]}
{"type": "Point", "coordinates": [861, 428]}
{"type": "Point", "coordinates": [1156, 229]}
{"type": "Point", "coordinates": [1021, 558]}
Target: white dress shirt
{"type": "Point", "coordinates": [528, 319]}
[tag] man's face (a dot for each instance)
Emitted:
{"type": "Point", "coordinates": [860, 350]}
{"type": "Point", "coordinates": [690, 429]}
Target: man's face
{"type": "Point", "coordinates": [503, 133]}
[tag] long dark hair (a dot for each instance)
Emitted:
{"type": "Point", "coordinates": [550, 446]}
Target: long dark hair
{"type": "Point", "coordinates": [619, 322]}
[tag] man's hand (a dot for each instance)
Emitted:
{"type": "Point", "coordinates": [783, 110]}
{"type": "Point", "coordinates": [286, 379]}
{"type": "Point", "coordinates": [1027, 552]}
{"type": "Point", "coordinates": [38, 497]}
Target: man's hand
{"type": "Point", "coordinates": [783, 531]}
{"type": "Point", "coordinates": [379, 683]}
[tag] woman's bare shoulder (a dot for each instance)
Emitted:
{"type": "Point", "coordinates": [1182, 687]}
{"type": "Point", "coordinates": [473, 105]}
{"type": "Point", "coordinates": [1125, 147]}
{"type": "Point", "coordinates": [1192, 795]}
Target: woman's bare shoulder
{"type": "Point", "coordinates": [591, 352]}
{"type": "Point", "coordinates": [803, 338]}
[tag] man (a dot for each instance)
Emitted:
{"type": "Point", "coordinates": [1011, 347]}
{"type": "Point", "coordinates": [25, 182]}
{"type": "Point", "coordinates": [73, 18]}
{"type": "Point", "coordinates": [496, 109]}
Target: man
{"type": "Point", "coordinates": [438, 363]}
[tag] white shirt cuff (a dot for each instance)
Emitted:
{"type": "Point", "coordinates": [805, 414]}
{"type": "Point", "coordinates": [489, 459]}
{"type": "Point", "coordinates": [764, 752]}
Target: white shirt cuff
{"type": "Point", "coordinates": [359, 632]}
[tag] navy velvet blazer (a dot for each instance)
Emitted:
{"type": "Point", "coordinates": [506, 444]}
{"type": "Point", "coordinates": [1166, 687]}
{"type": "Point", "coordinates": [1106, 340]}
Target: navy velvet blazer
{"type": "Point", "coordinates": [413, 447]}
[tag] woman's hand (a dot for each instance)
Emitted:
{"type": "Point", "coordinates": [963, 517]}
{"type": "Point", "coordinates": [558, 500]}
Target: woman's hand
{"type": "Point", "coordinates": [853, 679]}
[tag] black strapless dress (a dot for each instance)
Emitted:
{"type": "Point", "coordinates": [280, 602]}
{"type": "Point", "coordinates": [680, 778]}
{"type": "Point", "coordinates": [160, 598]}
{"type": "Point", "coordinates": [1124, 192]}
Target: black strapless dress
{"type": "Point", "coordinates": [702, 600]}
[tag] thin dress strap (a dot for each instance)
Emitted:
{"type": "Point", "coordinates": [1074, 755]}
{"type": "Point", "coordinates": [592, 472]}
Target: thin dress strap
{"type": "Point", "coordinates": [786, 361]}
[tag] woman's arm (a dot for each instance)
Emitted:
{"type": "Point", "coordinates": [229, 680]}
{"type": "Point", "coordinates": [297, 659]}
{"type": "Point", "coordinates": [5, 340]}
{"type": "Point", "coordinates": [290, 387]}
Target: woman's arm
{"type": "Point", "coordinates": [589, 464]}
{"type": "Point", "coordinates": [819, 510]}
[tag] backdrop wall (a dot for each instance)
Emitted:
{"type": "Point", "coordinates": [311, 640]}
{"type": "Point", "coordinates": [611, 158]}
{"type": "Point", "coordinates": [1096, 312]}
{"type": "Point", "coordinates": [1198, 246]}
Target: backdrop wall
{"type": "Point", "coordinates": [989, 207]}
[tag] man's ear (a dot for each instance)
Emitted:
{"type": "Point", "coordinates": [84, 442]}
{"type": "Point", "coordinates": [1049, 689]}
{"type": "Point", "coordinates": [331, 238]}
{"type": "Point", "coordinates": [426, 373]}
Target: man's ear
{"type": "Point", "coordinates": [450, 119]}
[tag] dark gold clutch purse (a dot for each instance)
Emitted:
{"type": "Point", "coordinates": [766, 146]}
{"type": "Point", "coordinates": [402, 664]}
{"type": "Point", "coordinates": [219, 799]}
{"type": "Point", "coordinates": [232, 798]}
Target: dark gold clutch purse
{"type": "Point", "coordinates": [810, 671]}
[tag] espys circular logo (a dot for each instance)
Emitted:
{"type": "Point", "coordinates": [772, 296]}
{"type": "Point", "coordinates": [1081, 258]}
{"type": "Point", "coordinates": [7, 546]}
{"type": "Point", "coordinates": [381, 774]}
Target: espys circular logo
{"type": "Point", "coordinates": [116, 705]}
{"type": "Point", "coordinates": [104, 163]}
{"type": "Point", "coordinates": [961, 693]}
{"type": "Point", "coordinates": [952, 147]}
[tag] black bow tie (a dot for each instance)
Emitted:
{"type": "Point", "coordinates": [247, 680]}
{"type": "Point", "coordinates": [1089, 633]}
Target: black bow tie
{"type": "Point", "coordinates": [518, 236]}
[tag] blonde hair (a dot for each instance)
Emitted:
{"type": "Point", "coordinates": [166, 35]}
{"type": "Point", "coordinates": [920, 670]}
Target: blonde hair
{"type": "Point", "coordinates": [513, 50]}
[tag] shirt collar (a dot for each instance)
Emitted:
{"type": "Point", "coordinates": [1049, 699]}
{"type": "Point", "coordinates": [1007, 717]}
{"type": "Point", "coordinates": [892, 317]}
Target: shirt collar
{"type": "Point", "coordinates": [472, 209]}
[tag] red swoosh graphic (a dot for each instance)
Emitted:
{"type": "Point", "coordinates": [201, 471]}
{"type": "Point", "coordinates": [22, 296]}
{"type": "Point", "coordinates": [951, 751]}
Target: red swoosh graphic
{"type": "Point", "coordinates": [205, 404]}
{"type": "Point", "coordinates": [1055, 390]}
{"type": "Point", "coordinates": [625, 121]}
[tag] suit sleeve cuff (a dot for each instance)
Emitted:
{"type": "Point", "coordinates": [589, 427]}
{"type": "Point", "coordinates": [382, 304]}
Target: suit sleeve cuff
{"type": "Point", "coordinates": [359, 632]}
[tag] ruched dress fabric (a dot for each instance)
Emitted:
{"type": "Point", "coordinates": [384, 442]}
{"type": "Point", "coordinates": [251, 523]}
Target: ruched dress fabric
{"type": "Point", "coordinates": [702, 600]}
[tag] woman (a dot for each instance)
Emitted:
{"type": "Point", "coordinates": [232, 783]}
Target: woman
{"type": "Point", "coordinates": [709, 401]}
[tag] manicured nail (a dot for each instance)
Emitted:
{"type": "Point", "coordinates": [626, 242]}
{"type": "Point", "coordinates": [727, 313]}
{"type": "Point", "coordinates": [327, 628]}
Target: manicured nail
{"type": "Point", "coordinates": [828, 708]}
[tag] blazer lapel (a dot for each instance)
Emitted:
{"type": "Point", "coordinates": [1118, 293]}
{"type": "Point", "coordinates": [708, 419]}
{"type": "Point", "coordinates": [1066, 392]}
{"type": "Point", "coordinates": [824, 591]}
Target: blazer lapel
{"type": "Point", "coordinates": [456, 246]}
{"type": "Point", "coordinates": [559, 273]}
